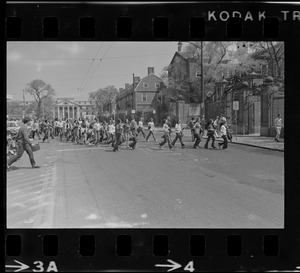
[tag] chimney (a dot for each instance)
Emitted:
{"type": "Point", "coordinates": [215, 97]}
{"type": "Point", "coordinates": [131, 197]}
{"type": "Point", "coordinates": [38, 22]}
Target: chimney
{"type": "Point", "coordinates": [179, 46]}
{"type": "Point", "coordinates": [150, 70]}
{"type": "Point", "coordinates": [127, 86]}
{"type": "Point", "coordinates": [137, 79]}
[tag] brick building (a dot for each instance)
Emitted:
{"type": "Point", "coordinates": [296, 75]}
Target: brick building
{"type": "Point", "coordinates": [139, 96]}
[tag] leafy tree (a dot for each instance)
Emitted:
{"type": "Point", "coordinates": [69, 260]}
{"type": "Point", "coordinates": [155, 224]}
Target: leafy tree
{"type": "Point", "coordinates": [40, 92]}
{"type": "Point", "coordinates": [102, 96]}
{"type": "Point", "coordinates": [272, 53]}
{"type": "Point", "coordinates": [219, 58]}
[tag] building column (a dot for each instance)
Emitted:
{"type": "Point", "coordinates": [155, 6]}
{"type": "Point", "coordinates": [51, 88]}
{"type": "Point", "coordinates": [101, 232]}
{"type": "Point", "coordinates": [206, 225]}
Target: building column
{"type": "Point", "coordinates": [63, 112]}
{"type": "Point", "coordinates": [58, 115]}
{"type": "Point", "coordinates": [68, 111]}
{"type": "Point", "coordinates": [73, 112]}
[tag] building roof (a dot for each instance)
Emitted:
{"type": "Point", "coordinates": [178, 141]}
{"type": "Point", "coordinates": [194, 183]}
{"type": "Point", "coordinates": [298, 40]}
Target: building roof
{"type": "Point", "coordinates": [150, 77]}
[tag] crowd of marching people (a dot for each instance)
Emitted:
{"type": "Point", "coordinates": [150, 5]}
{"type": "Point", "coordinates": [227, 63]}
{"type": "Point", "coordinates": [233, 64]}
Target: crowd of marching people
{"type": "Point", "coordinates": [114, 133]}
{"type": "Point", "coordinates": [117, 132]}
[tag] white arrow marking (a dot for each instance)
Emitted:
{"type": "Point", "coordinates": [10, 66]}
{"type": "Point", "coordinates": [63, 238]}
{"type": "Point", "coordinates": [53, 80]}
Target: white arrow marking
{"type": "Point", "coordinates": [173, 265]}
{"type": "Point", "coordinates": [20, 267]}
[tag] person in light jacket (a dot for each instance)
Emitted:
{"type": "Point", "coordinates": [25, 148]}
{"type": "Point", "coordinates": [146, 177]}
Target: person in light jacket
{"type": "Point", "coordinates": [151, 130]}
{"type": "Point", "coordinates": [166, 135]}
{"type": "Point", "coordinates": [197, 133]}
{"type": "Point", "coordinates": [179, 134]}
{"type": "Point", "coordinates": [223, 134]}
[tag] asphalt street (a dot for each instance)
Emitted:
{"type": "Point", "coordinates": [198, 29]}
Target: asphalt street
{"type": "Point", "coordinates": [82, 186]}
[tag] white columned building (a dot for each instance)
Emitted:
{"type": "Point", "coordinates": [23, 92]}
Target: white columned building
{"type": "Point", "coordinates": [69, 108]}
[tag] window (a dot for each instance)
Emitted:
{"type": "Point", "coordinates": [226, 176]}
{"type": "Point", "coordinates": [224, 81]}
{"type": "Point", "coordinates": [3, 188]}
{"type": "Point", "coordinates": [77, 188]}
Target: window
{"type": "Point", "coordinates": [157, 84]}
{"type": "Point", "coordinates": [144, 97]}
{"type": "Point", "coordinates": [145, 84]}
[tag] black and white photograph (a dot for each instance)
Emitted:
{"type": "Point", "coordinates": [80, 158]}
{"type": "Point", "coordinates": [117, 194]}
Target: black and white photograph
{"type": "Point", "coordinates": [168, 134]}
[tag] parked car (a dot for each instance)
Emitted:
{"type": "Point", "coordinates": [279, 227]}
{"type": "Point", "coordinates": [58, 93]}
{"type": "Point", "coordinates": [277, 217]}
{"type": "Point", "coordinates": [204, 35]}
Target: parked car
{"type": "Point", "coordinates": [12, 126]}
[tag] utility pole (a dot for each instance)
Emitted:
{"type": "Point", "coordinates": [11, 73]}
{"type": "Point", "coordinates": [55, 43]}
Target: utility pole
{"type": "Point", "coordinates": [24, 102]}
{"type": "Point", "coordinates": [202, 84]}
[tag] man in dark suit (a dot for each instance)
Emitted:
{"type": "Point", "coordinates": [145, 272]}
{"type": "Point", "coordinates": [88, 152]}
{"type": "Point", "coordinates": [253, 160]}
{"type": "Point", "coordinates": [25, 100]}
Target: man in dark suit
{"type": "Point", "coordinates": [24, 144]}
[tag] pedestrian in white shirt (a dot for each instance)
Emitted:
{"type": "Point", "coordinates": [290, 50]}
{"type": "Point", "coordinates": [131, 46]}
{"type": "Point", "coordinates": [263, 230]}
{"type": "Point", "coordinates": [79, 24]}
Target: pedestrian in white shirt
{"type": "Point", "coordinates": [151, 130]}
{"type": "Point", "coordinates": [179, 134]}
{"type": "Point", "coordinates": [140, 128]}
{"type": "Point", "coordinates": [111, 133]}
{"type": "Point", "coordinates": [278, 125]}
{"type": "Point", "coordinates": [166, 135]}
{"type": "Point", "coordinates": [223, 134]}
{"type": "Point", "coordinates": [96, 132]}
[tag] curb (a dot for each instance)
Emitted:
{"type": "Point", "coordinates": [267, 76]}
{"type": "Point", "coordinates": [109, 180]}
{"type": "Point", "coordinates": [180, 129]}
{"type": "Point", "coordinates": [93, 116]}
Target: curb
{"type": "Point", "coordinates": [257, 146]}
{"type": "Point", "coordinates": [251, 145]}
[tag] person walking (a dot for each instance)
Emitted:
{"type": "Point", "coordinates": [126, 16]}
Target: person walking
{"type": "Point", "coordinates": [191, 124]}
{"type": "Point", "coordinates": [170, 126]}
{"type": "Point", "coordinates": [46, 130]}
{"type": "Point", "coordinates": [133, 134]}
{"type": "Point", "coordinates": [216, 125]}
{"type": "Point", "coordinates": [210, 134]}
{"type": "Point", "coordinates": [166, 135]}
{"type": "Point", "coordinates": [179, 134]}
{"type": "Point", "coordinates": [75, 132]}
{"type": "Point", "coordinates": [151, 130]}
{"type": "Point", "coordinates": [111, 134]}
{"type": "Point", "coordinates": [140, 128]}
{"type": "Point", "coordinates": [278, 126]}
{"type": "Point", "coordinates": [223, 134]}
{"type": "Point", "coordinates": [97, 127]}
{"type": "Point", "coordinates": [118, 134]}
{"type": "Point", "coordinates": [24, 144]}
{"type": "Point", "coordinates": [35, 129]}
{"type": "Point", "coordinates": [197, 133]}
{"type": "Point", "coordinates": [126, 130]}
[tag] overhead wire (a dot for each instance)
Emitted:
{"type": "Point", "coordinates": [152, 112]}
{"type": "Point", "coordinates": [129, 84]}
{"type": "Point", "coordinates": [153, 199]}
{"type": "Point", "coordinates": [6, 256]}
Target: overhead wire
{"type": "Point", "coordinates": [80, 88]}
{"type": "Point", "coordinates": [98, 64]}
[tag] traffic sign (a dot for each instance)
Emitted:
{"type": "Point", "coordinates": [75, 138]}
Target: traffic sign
{"type": "Point", "coordinates": [235, 105]}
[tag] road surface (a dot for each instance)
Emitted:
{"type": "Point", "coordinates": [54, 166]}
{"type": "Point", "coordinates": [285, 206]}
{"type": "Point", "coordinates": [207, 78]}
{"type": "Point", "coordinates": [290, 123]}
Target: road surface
{"type": "Point", "coordinates": [82, 186]}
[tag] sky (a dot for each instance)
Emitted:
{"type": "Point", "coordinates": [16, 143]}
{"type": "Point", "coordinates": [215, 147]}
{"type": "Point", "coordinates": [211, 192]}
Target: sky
{"type": "Point", "coordinates": [74, 69]}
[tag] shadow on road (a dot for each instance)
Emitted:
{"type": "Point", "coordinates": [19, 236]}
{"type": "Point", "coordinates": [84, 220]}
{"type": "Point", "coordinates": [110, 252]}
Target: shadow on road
{"type": "Point", "coordinates": [14, 168]}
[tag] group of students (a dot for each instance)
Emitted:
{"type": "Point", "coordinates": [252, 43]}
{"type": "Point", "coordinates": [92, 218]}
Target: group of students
{"type": "Point", "coordinates": [114, 133]}
{"type": "Point", "coordinates": [215, 128]}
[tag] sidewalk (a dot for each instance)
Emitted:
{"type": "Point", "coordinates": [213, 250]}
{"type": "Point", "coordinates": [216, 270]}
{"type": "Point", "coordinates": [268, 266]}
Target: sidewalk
{"type": "Point", "coordinates": [254, 140]}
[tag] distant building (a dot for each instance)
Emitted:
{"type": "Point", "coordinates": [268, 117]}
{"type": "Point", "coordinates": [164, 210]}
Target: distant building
{"type": "Point", "coordinates": [69, 108]}
{"type": "Point", "coordinates": [139, 96]}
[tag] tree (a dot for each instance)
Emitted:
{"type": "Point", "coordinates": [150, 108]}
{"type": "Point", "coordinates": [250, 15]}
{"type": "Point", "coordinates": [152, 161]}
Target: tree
{"type": "Point", "coordinates": [40, 92]}
{"type": "Point", "coordinates": [273, 53]}
{"type": "Point", "coordinates": [219, 58]}
{"type": "Point", "coordinates": [102, 96]}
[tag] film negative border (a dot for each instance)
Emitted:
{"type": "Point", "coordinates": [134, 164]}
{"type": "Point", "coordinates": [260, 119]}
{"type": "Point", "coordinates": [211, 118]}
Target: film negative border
{"type": "Point", "coordinates": [154, 22]}
{"type": "Point", "coordinates": [164, 249]}
{"type": "Point", "coordinates": [138, 250]}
